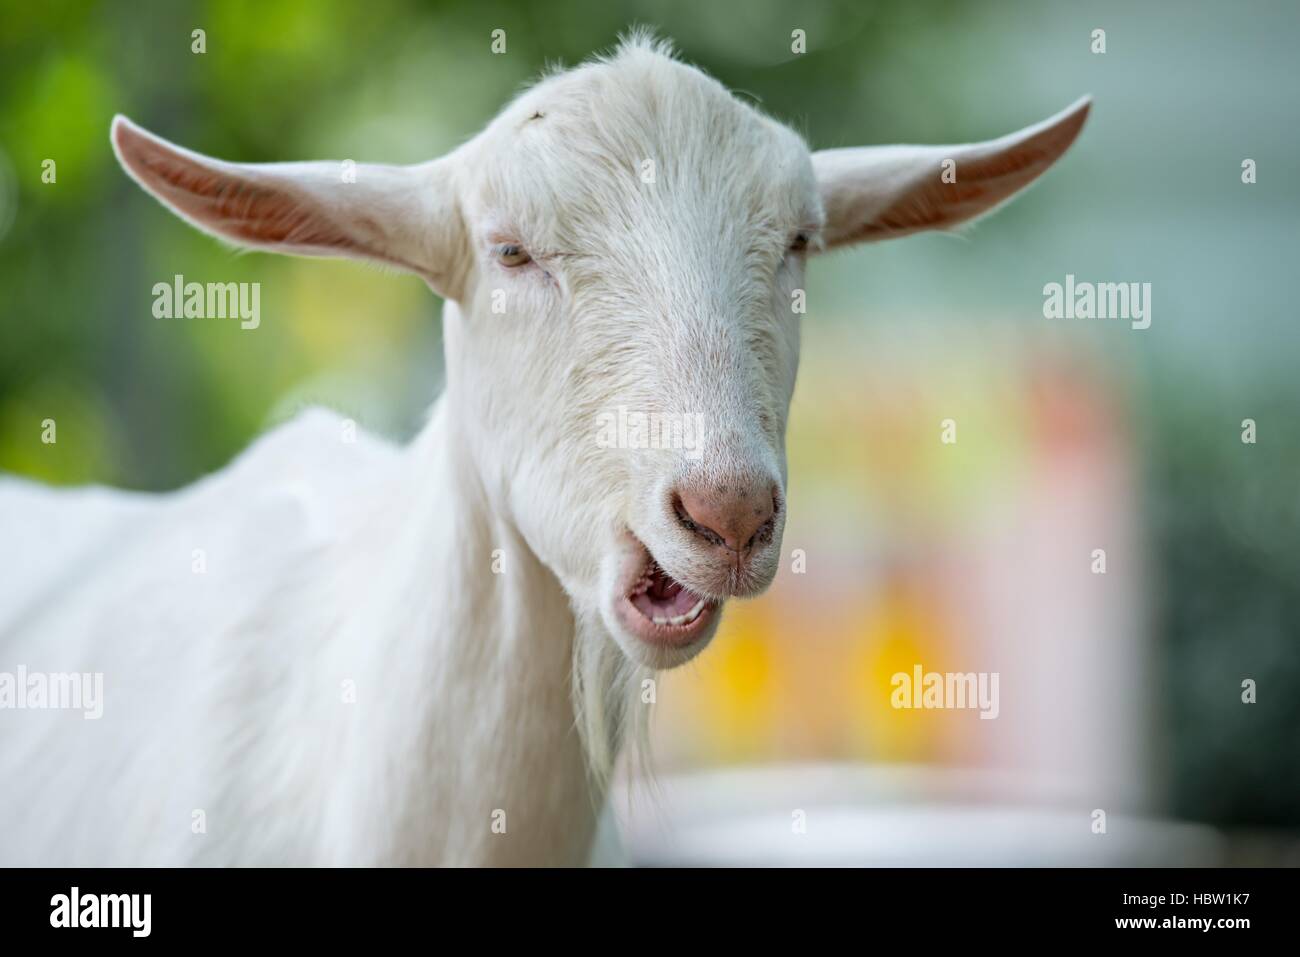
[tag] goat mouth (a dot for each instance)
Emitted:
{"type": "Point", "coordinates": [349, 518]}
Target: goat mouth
{"type": "Point", "coordinates": [660, 610]}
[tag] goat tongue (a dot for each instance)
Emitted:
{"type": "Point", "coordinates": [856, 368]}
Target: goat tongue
{"type": "Point", "coordinates": [662, 587]}
{"type": "Point", "coordinates": [665, 600]}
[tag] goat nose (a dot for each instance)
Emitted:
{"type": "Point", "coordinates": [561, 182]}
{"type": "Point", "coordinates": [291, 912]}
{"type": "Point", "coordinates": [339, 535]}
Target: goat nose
{"type": "Point", "coordinates": [737, 516]}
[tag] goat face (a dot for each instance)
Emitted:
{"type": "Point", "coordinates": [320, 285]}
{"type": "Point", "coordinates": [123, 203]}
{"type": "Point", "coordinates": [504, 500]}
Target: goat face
{"type": "Point", "coordinates": [638, 239]}
{"type": "Point", "coordinates": [622, 251]}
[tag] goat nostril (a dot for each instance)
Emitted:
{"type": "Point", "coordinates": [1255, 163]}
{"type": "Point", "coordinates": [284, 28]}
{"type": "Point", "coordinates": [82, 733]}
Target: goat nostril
{"type": "Point", "coordinates": [727, 516]}
{"type": "Point", "coordinates": [763, 535]}
{"type": "Point", "coordinates": [688, 522]}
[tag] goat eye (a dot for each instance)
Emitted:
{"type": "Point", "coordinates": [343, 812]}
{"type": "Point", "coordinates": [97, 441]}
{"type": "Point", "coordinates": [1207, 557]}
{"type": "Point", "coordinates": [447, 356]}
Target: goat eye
{"type": "Point", "coordinates": [512, 255]}
{"type": "Point", "coordinates": [800, 243]}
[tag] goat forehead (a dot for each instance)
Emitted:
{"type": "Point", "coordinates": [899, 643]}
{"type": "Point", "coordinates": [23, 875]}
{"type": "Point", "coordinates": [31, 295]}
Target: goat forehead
{"type": "Point", "coordinates": [654, 147]}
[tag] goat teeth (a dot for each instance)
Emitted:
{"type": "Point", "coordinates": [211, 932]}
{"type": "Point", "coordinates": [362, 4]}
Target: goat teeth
{"type": "Point", "coordinates": [687, 617]}
{"type": "Point", "coordinates": [661, 621]}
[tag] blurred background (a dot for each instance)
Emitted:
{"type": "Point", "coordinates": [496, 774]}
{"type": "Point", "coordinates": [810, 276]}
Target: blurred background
{"type": "Point", "coordinates": [1119, 691]}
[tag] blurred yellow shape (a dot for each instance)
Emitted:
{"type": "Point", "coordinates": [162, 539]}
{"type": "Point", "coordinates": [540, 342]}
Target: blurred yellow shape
{"type": "Point", "coordinates": [900, 631]}
{"type": "Point", "coordinates": [737, 685]}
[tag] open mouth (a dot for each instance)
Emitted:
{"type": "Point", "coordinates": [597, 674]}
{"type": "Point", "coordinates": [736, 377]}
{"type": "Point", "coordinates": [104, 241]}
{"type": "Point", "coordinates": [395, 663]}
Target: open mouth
{"type": "Point", "coordinates": [661, 610]}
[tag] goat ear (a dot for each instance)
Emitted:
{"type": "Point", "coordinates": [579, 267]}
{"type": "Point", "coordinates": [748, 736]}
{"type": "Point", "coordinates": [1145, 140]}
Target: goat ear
{"type": "Point", "coordinates": [404, 216]}
{"type": "Point", "coordinates": [881, 192]}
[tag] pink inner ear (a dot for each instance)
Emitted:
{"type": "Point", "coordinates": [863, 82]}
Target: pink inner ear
{"type": "Point", "coordinates": [931, 208]}
{"type": "Point", "coordinates": [228, 203]}
{"type": "Point", "coordinates": [1005, 163]}
{"type": "Point", "coordinates": [984, 181]}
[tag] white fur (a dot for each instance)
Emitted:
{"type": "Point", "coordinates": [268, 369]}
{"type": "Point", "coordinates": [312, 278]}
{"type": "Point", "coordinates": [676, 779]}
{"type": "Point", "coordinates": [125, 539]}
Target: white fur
{"type": "Point", "coordinates": [329, 562]}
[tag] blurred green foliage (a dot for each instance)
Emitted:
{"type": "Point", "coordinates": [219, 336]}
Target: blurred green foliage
{"type": "Point", "coordinates": [1225, 523]}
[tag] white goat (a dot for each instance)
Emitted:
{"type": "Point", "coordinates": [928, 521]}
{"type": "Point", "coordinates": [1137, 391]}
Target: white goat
{"type": "Point", "coordinates": [488, 706]}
